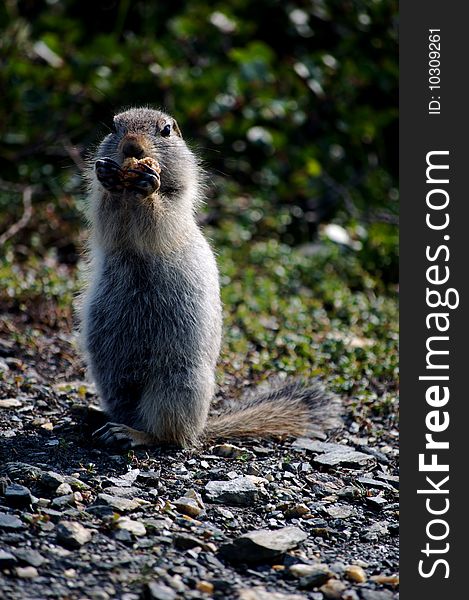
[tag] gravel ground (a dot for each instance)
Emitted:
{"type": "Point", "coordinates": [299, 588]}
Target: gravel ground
{"type": "Point", "coordinates": [256, 520]}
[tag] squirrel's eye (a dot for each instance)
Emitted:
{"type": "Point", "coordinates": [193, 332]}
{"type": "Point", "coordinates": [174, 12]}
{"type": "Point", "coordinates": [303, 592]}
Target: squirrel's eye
{"type": "Point", "coordinates": [166, 130]}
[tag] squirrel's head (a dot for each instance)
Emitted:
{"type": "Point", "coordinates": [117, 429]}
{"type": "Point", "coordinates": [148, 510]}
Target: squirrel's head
{"type": "Point", "coordinates": [144, 132]}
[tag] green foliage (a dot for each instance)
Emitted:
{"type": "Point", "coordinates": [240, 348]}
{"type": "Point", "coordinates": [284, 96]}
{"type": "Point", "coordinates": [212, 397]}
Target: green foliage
{"type": "Point", "coordinates": [292, 104]}
{"type": "Point", "coordinates": [308, 311]}
{"type": "Point", "coordinates": [40, 288]}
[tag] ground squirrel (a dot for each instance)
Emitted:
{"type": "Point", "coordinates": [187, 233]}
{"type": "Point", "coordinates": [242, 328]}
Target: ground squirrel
{"type": "Point", "coordinates": [151, 319]}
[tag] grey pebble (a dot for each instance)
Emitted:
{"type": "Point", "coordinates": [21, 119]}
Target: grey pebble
{"type": "Point", "coordinates": [377, 502]}
{"type": "Point", "coordinates": [149, 478]}
{"type": "Point", "coordinates": [72, 535]}
{"type": "Point", "coordinates": [121, 504]}
{"type": "Point", "coordinates": [157, 591]}
{"type": "Point", "coordinates": [29, 557]}
{"type": "Point", "coordinates": [7, 559]}
{"type": "Point", "coordinates": [376, 594]}
{"type": "Point", "coordinates": [238, 492]}
{"type": "Point", "coordinates": [345, 456]}
{"type": "Point", "coordinates": [10, 522]}
{"type": "Point", "coordinates": [18, 496]}
{"type": "Point", "coordinates": [262, 545]}
{"type": "Point", "coordinates": [312, 576]}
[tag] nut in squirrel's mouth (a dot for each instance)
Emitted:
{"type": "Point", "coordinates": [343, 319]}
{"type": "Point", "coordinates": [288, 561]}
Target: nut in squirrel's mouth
{"type": "Point", "coordinates": [142, 173]}
{"type": "Point", "coordinates": [140, 164]}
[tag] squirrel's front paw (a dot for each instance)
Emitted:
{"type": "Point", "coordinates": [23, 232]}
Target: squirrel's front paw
{"type": "Point", "coordinates": [109, 175]}
{"type": "Point", "coordinates": [140, 180]}
{"type": "Point", "coordinates": [142, 183]}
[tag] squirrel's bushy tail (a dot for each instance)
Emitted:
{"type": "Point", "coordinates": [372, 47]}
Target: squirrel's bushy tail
{"type": "Point", "coordinates": [295, 408]}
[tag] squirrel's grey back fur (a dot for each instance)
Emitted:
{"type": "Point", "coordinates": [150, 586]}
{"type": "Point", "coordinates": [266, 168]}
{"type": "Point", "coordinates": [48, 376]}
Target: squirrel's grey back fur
{"type": "Point", "coordinates": [151, 313]}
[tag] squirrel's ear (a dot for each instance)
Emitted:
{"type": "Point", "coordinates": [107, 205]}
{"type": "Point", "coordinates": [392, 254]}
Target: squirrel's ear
{"type": "Point", "coordinates": [176, 129]}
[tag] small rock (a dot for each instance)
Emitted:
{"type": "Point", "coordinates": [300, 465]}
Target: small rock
{"type": "Point", "coordinates": [374, 483]}
{"type": "Point", "coordinates": [205, 586]}
{"type": "Point", "coordinates": [260, 593]}
{"type": "Point", "coordinates": [380, 528]}
{"type": "Point", "coordinates": [238, 492]}
{"type": "Point", "coordinates": [380, 456]}
{"type": "Point", "coordinates": [102, 595]}
{"type": "Point", "coordinates": [394, 479]}
{"type": "Point", "coordinates": [124, 536]}
{"type": "Point", "coordinates": [18, 496]}
{"type": "Point", "coordinates": [315, 580]}
{"type": "Point", "coordinates": [72, 534]}
{"type": "Point", "coordinates": [349, 492]}
{"type": "Point", "coordinates": [4, 368]}
{"type": "Point", "coordinates": [26, 572]}
{"type": "Point", "coordinates": [230, 451]}
{"type": "Point", "coordinates": [313, 445]}
{"type": "Point", "coordinates": [158, 524]}
{"type": "Point", "coordinates": [7, 348]}
{"type": "Point", "coordinates": [311, 576]}
{"type": "Point", "coordinates": [332, 454]}
{"type": "Point", "coordinates": [123, 492]}
{"type": "Point", "coordinates": [338, 568]}
{"type": "Point", "coordinates": [23, 471]}
{"type": "Point", "coordinates": [29, 556]}
{"type": "Point", "coordinates": [149, 478]}
{"type": "Point", "coordinates": [10, 402]}
{"type": "Point", "coordinates": [377, 502]}
{"type": "Point", "coordinates": [225, 513]}
{"type": "Point", "coordinates": [62, 501]}
{"type": "Point", "coordinates": [296, 511]}
{"type": "Point", "coordinates": [262, 545]}
{"type": "Point", "coordinates": [257, 480]}
{"type": "Point", "coordinates": [339, 512]}
{"type": "Point", "coordinates": [194, 495]}
{"type": "Point", "coordinates": [333, 589]}
{"type": "Point", "coordinates": [186, 542]}
{"type": "Point", "coordinates": [323, 532]}
{"type": "Point", "coordinates": [376, 595]}
{"type": "Point", "coordinates": [53, 514]}
{"type": "Point", "coordinates": [100, 510]}
{"type": "Point", "coordinates": [386, 579]}
{"type": "Point", "coordinates": [343, 456]}
{"type": "Point", "coordinates": [70, 573]}
{"type": "Point", "coordinates": [355, 573]}
{"type": "Point", "coordinates": [134, 527]}
{"type": "Point", "coordinates": [187, 506]}
{"type": "Point", "coordinates": [125, 480]}
{"type": "Point", "coordinates": [52, 479]}
{"type": "Point", "coordinates": [10, 522]}
{"type": "Point", "coordinates": [350, 595]}
{"type": "Point", "coordinates": [64, 489]}
{"type": "Point", "coordinates": [190, 504]}
{"type": "Point", "coordinates": [122, 504]}
{"type": "Point", "coordinates": [6, 560]}
{"type": "Point", "coordinates": [361, 563]}
{"type": "Point", "coordinates": [157, 591]}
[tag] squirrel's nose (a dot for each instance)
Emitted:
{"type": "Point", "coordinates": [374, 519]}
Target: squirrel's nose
{"type": "Point", "coordinates": [132, 148]}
